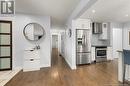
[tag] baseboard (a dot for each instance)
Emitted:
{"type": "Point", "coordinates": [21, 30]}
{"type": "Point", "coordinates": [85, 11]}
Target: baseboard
{"type": "Point", "coordinates": [41, 66]}
{"type": "Point", "coordinates": [33, 69]}
{"type": "Point", "coordinates": [71, 66]}
{"type": "Point", "coordinates": [10, 75]}
{"type": "Point", "coordinates": [45, 65]}
{"type": "Point", "coordinates": [18, 68]}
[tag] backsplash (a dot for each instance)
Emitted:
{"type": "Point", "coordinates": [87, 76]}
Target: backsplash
{"type": "Point", "coordinates": [96, 38]}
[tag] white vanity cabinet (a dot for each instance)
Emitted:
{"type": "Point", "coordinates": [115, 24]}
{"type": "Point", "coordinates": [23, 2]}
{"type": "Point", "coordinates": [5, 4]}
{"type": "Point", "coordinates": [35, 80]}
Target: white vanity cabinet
{"type": "Point", "coordinates": [31, 61]}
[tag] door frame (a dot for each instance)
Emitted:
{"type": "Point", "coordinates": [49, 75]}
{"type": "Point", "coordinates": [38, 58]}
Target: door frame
{"type": "Point", "coordinates": [10, 22]}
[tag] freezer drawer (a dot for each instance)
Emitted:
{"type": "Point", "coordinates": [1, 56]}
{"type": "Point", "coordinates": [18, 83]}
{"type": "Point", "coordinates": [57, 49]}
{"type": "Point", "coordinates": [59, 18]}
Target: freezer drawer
{"type": "Point", "coordinates": [83, 58]}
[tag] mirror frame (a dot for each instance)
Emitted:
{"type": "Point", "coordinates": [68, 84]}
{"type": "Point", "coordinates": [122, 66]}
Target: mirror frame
{"type": "Point", "coordinates": [44, 32]}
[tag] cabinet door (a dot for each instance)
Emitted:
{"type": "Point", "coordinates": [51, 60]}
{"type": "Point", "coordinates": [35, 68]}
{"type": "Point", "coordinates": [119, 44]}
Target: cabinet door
{"type": "Point", "coordinates": [105, 26]}
{"type": "Point", "coordinates": [93, 58]}
{"type": "Point", "coordinates": [78, 25]}
{"type": "Point", "coordinates": [109, 53]}
{"type": "Point", "coordinates": [83, 24]}
{"type": "Point", "coordinates": [104, 35]}
{"type": "Point", "coordinates": [31, 54]}
{"type": "Point", "coordinates": [5, 45]}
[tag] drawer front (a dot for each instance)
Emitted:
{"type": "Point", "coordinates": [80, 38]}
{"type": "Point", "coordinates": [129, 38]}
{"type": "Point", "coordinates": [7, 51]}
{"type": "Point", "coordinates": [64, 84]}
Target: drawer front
{"type": "Point", "coordinates": [31, 54]}
{"type": "Point", "coordinates": [31, 64]}
{"type": "Point", "coordinates": [83, 58]}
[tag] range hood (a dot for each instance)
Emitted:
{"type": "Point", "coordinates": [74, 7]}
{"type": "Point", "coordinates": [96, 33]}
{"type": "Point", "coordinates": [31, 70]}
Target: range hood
{"type": "Point", "coordinates": [97, 28]}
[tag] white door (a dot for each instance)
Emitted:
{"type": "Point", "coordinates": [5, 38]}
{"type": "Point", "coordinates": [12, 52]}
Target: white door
{"type": "Point", "coordinates": [54, 41]}
{"type": "Point", "coordinates": [117, 41]}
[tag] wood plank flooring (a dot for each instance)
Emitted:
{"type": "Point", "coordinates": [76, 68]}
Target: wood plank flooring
{"type": "Point", "coordinates": [99, 74]}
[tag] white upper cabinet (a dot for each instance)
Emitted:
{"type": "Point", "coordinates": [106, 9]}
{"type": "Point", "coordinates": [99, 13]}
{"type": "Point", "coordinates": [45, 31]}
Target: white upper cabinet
{"type": "Point", "coordinates": [83, 24]}
{"type": "Point", "coordinates": [104, 35]}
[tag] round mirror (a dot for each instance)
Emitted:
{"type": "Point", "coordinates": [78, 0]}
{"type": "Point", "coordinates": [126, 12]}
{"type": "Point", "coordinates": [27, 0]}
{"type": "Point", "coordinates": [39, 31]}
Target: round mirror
{"type": "Point", "coordinates": [33, 32]}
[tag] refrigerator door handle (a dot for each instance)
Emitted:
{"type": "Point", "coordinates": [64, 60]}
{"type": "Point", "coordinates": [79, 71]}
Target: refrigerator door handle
{"type": "Point", "coordinates": [83, 39]}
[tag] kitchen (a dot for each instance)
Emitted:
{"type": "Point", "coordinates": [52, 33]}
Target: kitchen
{"type": "Point", "coordinates": [93, 45]}
{"type": "Point", "coordinates": [90, 41]}
{"type": "Point", "coordinates": [109, 33]}
{"type": "Point", "coordinates": [101, 42]}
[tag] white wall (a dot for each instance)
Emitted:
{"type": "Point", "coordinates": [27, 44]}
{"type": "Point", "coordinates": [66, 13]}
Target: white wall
{"type": "Point", "coordinates": [117, 41]}
{"type": "Point", "coordinates": [20, 43]}
{"type": "Point", "coordinates": [116, 38]}
{"type": "Point", "coordinates": [69, 54]}
{"type": "Point", "coordinates": [63, 44]}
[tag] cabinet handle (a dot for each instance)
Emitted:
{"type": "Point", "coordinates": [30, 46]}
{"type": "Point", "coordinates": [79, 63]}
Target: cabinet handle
{"type": "Point", "coordinates": [31, 50]}
{"type": "Point", "coordinates": [31, 59]}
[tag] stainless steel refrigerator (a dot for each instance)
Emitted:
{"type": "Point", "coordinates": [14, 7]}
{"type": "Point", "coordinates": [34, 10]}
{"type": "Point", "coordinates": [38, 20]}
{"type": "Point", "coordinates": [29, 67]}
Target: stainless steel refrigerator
{"type": "Point", "coordinates": [83, 46]}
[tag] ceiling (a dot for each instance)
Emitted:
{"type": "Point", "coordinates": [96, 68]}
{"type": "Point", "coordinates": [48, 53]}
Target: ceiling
{"type": "Point", "coordinates": [59, 10]}
{"type": "Point", "coordinates": [109, 11]}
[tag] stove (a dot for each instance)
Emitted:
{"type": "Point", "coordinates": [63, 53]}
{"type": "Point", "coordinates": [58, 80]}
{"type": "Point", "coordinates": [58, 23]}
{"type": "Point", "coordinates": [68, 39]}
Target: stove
{"type": "Point", "coordinates": [101, 53]}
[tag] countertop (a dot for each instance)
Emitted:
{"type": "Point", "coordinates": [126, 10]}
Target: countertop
{"type": "Point", "coordinates": [101, 46]}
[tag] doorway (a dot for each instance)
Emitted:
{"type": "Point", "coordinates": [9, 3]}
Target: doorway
{"type": "Point", "coordinates": [55, 54]}
{"type": "Point", "coordinates": [55, 41]}
{"type": "Point", "coordinates": [5, 45]}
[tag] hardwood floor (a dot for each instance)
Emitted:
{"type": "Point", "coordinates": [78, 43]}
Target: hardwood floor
{"type": "Point", "coordinates": [100, 74]}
